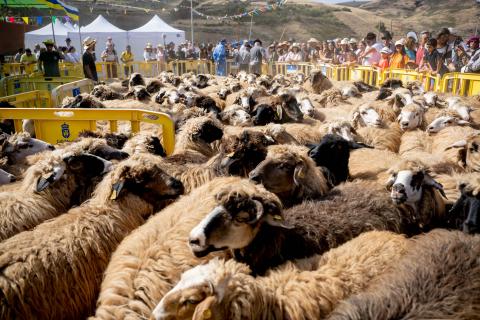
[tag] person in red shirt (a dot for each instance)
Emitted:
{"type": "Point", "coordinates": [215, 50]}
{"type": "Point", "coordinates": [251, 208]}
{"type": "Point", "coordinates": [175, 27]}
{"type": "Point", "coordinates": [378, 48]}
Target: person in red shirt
{"type": "Point", "coordinates": [424, 36]}
{"type": "Point", "coordinates": [385, 58]}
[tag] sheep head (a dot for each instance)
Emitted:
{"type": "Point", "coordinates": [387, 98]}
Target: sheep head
{"type": "Point", "coordinates": [202, 292]}
{"type": "Point", "coordinates": [20, 145]}
{"type": "Point", "coordinates": [445, 121]}
{"type": "Point", "coordinates": [244, 152]}
{"type": "Point", "coordinates": [366, 116]}
{"type": "Point", "coordinates": [466, 209]}
{"type": "Point", "coordinates": [136, 79]}
{"type": "Point", "coordinates": [407, 182]}
{"type": "Point", "coordinates": [468, 152]}
{"type": "Point", "coordinates": [139, 93]}
{"type": "Point", "coordinates": [343, 129]}
{"type": "Point", "coordinates": [235, 115]}
{"type": "Point", "coordinates": [206, 129]}
{"type": "Point", "coordinates": [411, 117]}
{"type": "Point", "coordinates": [98, 147]}
{"type": "Point", "coordinates": [144, 142]}
{"type": "Point", "coordinates": [144, 176]}
{"type": "Point", "coordinates": [235, 221]}
{"type": "Point", "coordinates": [462, 110]}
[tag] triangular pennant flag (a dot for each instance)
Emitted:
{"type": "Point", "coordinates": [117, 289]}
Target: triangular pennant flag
{"type": "Point", "coordinates": [25, 19]}
{"type": "Point", "coordinates": [11, 19]}
{"type": "Point", "coordinates": [54, 19]}
{"type": "Point", "coordinates": [40, 20]}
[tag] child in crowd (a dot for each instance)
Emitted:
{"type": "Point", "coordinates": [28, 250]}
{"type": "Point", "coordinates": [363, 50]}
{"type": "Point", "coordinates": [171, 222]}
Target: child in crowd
{"type": "Point", "coordinates": [385, 58]}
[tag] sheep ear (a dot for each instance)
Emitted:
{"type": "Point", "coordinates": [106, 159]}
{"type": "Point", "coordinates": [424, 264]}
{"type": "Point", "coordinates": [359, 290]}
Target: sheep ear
{"type": "Point", "coordinates": [355, 116]}
{"type": "Point", "coordinates": [299, 174]}
{"type": "Point", "coordinates": [399, 117]}
{"type": "Point", "coordinates": [458, 144]}
{"type": "Point", "coordinates": [390, 182]}
{"type": "Point", "coordinates": [45, 181]}
{"type": "Point", "coordinates": [276, 220]}
{"type": "Point", "coordinates": [429, 181]}
{"type": "Point", "coordinates": [203, 311]}
{"type": "Point", "coordinates": [279, 112]}
{"type": "Point", "coordinates": [358, 145]}
{"type": "Point", "coordinates": [116, 189]}
{"type": "Point", "coordinates": [463, 122]}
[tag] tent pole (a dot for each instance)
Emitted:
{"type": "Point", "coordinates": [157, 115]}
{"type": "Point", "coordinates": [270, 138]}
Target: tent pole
{"type": "Point", "coordinates": [53, 29]}
{"type": "Point", "coordinates": [251, 25]}
{"type": "Point", "coordinates": [80, 35]}
{"type": "Point", "coordinates": [191, 17]}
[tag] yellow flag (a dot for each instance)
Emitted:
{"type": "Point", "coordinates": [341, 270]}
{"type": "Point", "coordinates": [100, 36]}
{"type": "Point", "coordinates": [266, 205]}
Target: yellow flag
{"type": "Point", "coordinates": [25, 19]}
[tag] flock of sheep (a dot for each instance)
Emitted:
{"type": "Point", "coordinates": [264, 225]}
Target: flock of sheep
{"type": "Point", "coordinates": [286, 197]}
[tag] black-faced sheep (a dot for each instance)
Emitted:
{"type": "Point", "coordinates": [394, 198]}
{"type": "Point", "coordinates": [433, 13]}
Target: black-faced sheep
{"type": "Point", "coordinates": [104, 92]}
{"type": "Point", "coordinates": [436, 279]}
{"type": "Point", "coordinates": [291, 174]}
{"type": "Point", "coordinates": [139, 93]}
{"type": "Point", "coordinates": [466, 210]}
{"type": "Point", "coordinates": [332, 154]}
{"type": "Point", "coordinates": [114, 140]}
{"type": "Point", "coordinates": [136, 79]}
{"type": "Point", "coordinates": [82, 101]}
{"type": "Point", "coordinates": [144, 142]}
{"type": "Point", "coordinates": [151, 259]}
{"type": "Point", "coordinates": [54, 271]}
{"type": "Point", "coordinates": [271, 238]}
{"type": "Point", "coordinates": [226, 290]}
{"type": "Point", "coordinates": [6, 125]}
{"type": "Point", "coordinates": [50, 188]}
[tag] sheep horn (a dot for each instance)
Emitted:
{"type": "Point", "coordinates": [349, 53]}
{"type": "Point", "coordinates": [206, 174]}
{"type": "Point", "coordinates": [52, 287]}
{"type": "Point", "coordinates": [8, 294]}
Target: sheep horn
{"type": "Point", "coordinates": [458, 144]}
{"type": "Point", "coordinates": [390, 182]}
{"type": "Point", "coordinates": [116, 189]}
{"type": "Point", "coordinates": [429, 181]}
{"type": "Point", "coordinates": [43, 183]}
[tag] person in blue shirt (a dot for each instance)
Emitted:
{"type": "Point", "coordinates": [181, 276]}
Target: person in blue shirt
{"type": "Point", "coordinates": [220, 58]}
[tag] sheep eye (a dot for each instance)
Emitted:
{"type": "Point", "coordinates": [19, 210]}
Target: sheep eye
{"type": "Point", "coordinates": [363, 112]}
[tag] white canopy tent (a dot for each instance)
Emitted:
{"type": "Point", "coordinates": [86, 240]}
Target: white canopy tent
{"type": "Point", "coordinates": [44, 33]}
{"type": "Point", "coordinates": [100, 29]}
{"type": "Point", "coordinates": [153, 32]}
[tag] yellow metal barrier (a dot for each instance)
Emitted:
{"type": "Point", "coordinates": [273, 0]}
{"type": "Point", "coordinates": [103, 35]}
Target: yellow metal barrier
{"type": "Point", "coordinates": [340, 73]}
{"type": "Point", "coordinates": [286, 68]}
{"type": "Point", "coordinates": [71, 69]}
{"type": "Point", "coordinates": [180, 67]}
{"type": "Point", "coordinates": [369, 75]}
{"type": "Point", "coordinates": [14, 69]}
{"type": "Point", "coordinates": [71, 89]}
{"type": "Point", "coordinates": [61, 125]}
{"type": "Point", "coordinates": [19, 84]}
{"type": "Point", "coordinates": [32, 99]}
{"type": "Point", "coordinates": [461, 83]}
{"type": "Point", "coordinates": [327, 69]}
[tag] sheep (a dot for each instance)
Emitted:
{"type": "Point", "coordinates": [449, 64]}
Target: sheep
{"type": "Point", "coordinates": [226, 290]}
{"type": "Point", "coordinates": [182, 116]}
{"type": "Point", "coordinates": [450, 143]}
{"type": "Point", "coordinates": [365, 115]}
{"type": "Point", "coordinates": [306, 106]}
{"type": "Point", "coordinates": [7, 125]}
{"type": "Point", "coordinates": [104, 92]}
{"type": "Point", "coordinates": [468, 153]}
{"type": "Point", "coordinates": [139, 93]}
{"type": "Point", "coordinates": [411, 117]}
{"type": "Point", "coordinates": [19, 146]}
{"type": "Point", "coordinates": [330, 97]}
{"type": "Point", "coordinates": [169, 95]}
{"type": "Point", "coordinates": [144, 142]}
{"type": "Point", "coordinates": [317, 82]}
{"type": "Point", "coordinates": [315, 227]}
{"type": "Point", "coordinates": [114, 140]}
{"type": "Point", "coordinates": [6, 178]}
{"type": "Point", "coordinates": [236, 115]}
{"type": "Point", "coordinates": [384, 138]}
{"type": "Point", "coordinates": [151, 259]}
{"type": "Point", "coordinates": [436, 279]}
{"type": "Point", "coordinates": [371, 164]}
{"type": "Point", "coordinates": [443, 121]}
{"type": "Point", "coordinates": [291, 174]}
{"type": "Point", "coordinates": [80, 243]}
{"type": "Point", "coordinates": [50, 187]}
{"type": "Point", "coordinates": [462, 110]}
{"type": "Point", "coordinates": [154, 85]}
{"type": "Point", "coordinates": [136, 79]}
{"type": "Point", "coordinates": [465, 211]}
{"type": "Point", "coordinates": [332, 155]}
{"type": "Point", "coordinates": [83, 101]}
{"type": "Point", "coordinates": [197, 134]}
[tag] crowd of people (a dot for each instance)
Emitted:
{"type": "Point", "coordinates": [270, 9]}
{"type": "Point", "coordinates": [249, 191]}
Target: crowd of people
{"type": "Point", "coordinates": [445, 51]}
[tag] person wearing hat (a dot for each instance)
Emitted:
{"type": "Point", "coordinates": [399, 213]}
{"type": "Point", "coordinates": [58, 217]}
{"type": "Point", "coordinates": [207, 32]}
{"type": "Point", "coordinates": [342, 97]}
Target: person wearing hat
{"type": "Point", "coordinates": [68, 41]}
{"type": "Point", "coordinates": [110, 55]}
{"type": "Point", "coordinates": [27, 59]}
{"type": "Point", "coordinates": [161, 56]}
{"type": "Point", "coordinates": [473, 64]}
{"type": "Point", "coordinates": [353, 44]}
{"type": "Point", "coordinates": [127, 58]}
{"type": "Point", "coordinates": [385, 58]}
{"type": "Point", "coordinates": [462, 58]}
{"type": "Point", "coordinates": [399, 58]}
{"type": "Point", "coordinates": [294, 55]}
{"type": "Point", "coordinates": [473, 45]}
{"type": "Point", "coordinates": [49, 59]}
{"type": "Point", "coordinates": [36, 50]}
{"type": "Point", "coordinates": [410, 47]}
{"type": "Point", "coordinates": [387, 41]}
{"type": "Point", "coordinates": [243, 57]}
{"type": "Point", "coordinates": [220, 57]}
{"type": "Point", "coordinates": [272, 54]}
{"type": "Point", "coordinates": [148, 54]}
{"type": "Point", "coordinates": [342, 56]}
{"type": "Point", "coordinates": [257, 55]}
{"type": "Point", "coordinates": [88, 59]}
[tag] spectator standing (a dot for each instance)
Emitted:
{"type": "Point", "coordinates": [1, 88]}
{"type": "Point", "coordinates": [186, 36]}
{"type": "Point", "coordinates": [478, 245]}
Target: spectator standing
{"type": "Point", "coordinates": [148, 54]}
{"type": "Point", "coordinates": [27, 59]}
{"type": "Point", "coordinates": [73, 55]}
{"type": "Point", "coordinates": [442, 45]}
{"type": "Point", "coordinates": [353, 45]}
{"type": "Point", "coordinates": [256, 57]}
{"type": "Point", "coordinates": [329, 53]}
{"type": "Point", "coordinates": [433, 60]}
{"type": "Point", "coordinates": [220, 58]}
{"type": "Point", "coordinates": [180, 53]}
{"type": "Point", "coordinates": [110, 55]}
{"type": "Point", "coordinates": [387, 41]}
{"type": "Point", "coordinates": [344, 49]}
{"type": "Point", "coordinates": [473, 45]}
{"type": "Point", "coordinates": [295, 55]}
{"type": "Point", "coordinates": [361, 49]}
{"type": "Point", "coordinates": [68, 41]}
{"type": "Point", "coordinates": [88, 59]}
{"type": "Point", "coordinates": [243, 57]}
{"type": "Point", "coordinates": [18, 55]}
{"type": "Point", "coordinates": [399, 58]}
{"type": "Point", "coordinates": [424, 36]}
{"type": "Point", "coordinates": [203, 52]}
{"type": "Point", "coordinates": [474, 64]}
{"type": "Point", "coordinates": [312, 45]}
{"type": "Point", "coordinates": [461, 60]}
{"type": "Point", "coordinates": [127, 58]}
{"type": "Point", "coordinates": [371, 56]}
{"type": "Point", "coordinates": [411, 52]}
{"type": "Point", "coordinates": [161, 56]}
{"type": "Point", "coordinates": [384, 62]}
{"type": "Point", "coordinates": [171, 52]}
{"type": "Point", "coordinates": [36, 51]}
{"type": "Point", "coordinates": [49, 59]}
{"type": "Point", "coordinates": [110, 42]}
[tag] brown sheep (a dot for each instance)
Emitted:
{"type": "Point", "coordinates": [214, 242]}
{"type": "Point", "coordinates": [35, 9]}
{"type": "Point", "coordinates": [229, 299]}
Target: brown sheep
{"type": "Point", "coordinates": [226, 290]}
{"type": "Point", "coordinates": [50, 188]}
{"type": "Point", "coordinates": [437, 279]}
{"type": "Point", "coordinates": [54, 271]}
{"type": "Point", "coordinates": [383, 138]}
{"type": "Point", "coordinates": [317, 82]}
{"type": "Point", "coordinates": [152, 258]}
{"type": "Point", "coordinates": [291, 174]}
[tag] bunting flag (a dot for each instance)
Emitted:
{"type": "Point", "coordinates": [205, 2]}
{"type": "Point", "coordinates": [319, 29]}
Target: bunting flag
{"type": "Point", "coordinates": [72, 12]}
{"type": "Point", "coordinates": [40, 20]}
{"type": "Point", "coordinates": [11, 19]}
{"type": "Point", "coordinates": [54, 19]}
{"type": "Point", "coordinates": [250, 13]}
{"type": "Point", "coordinates": [25, 19]}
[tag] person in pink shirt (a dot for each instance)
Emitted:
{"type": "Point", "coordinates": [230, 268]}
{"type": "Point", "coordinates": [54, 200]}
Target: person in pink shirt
{"type": "Point", "coordinates": [424, 36]}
